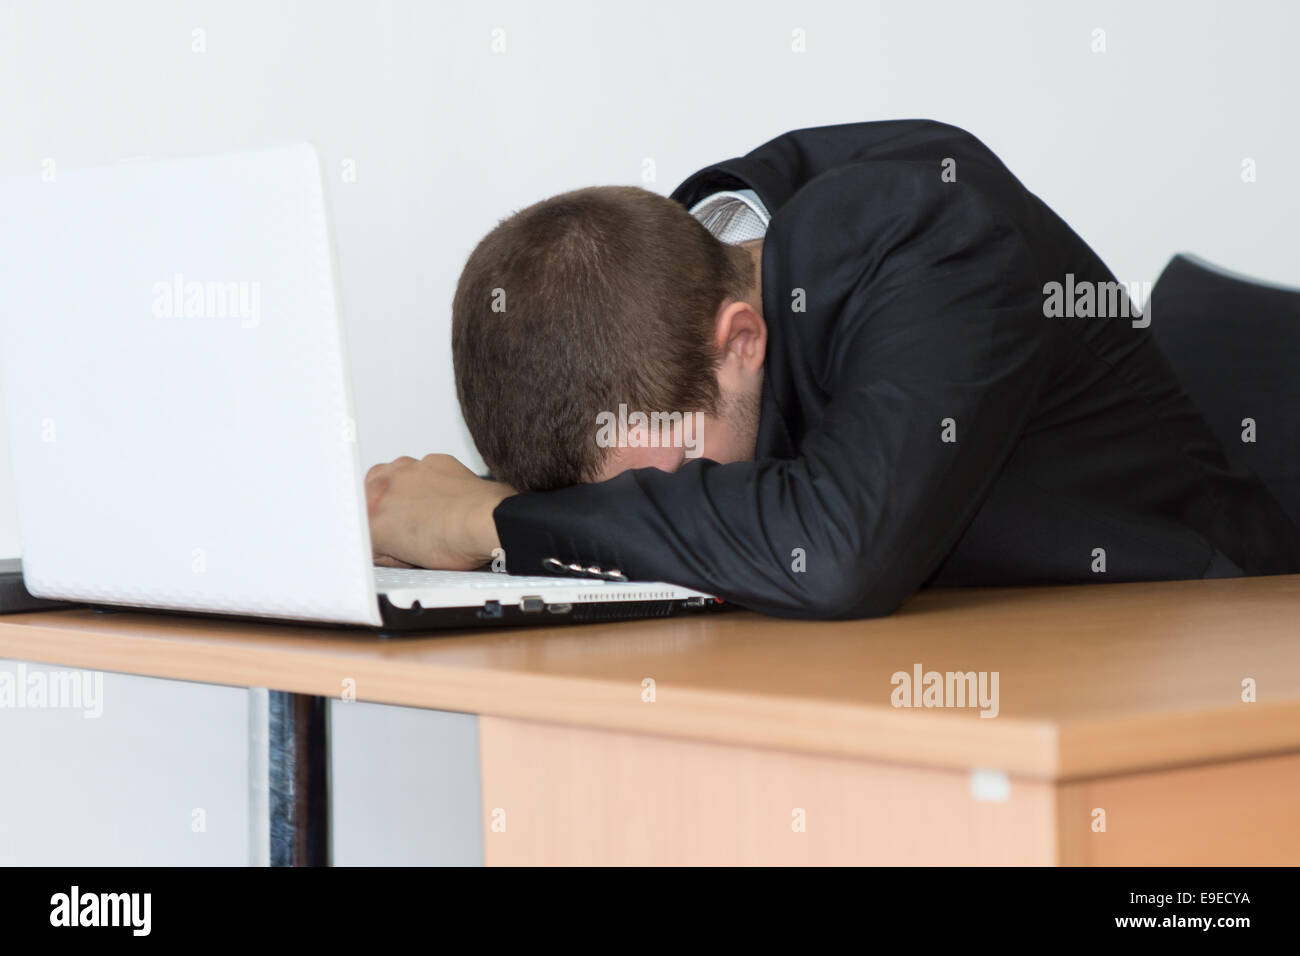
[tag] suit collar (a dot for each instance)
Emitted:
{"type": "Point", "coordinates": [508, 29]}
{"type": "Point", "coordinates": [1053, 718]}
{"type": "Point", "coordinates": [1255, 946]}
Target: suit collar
{"type": "Point", "coordinates": [741, 172]}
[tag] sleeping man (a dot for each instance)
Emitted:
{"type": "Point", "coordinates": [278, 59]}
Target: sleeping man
{"type": "Point", "coordinates": [815, 379]}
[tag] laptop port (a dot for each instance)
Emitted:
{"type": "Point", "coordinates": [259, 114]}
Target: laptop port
{"type": "Point", "coordinates": [559, 608]}
{"type": "Point", "coordinates": [491, 609]}
{"type": "Point", "coordinates": [531, 604]}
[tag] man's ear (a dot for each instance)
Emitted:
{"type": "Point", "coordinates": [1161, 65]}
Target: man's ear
{"type": "Point", "coordinates": [740, 336]}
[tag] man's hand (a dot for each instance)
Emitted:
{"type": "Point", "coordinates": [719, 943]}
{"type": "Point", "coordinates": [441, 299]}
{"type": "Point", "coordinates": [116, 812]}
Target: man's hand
{"type": "Point", "coordinates": [432, 513]}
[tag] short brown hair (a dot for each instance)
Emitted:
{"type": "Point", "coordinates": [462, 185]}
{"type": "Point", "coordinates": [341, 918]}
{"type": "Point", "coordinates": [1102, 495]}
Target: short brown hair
{"type": "Point", "coordinates": [578, 303]}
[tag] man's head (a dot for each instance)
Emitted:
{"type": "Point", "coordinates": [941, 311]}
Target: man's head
{"type": "Point", "coordinates": [594, 306]}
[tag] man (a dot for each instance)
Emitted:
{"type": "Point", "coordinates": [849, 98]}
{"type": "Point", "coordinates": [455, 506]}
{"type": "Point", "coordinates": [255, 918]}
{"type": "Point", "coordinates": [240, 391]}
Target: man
{"type": "Point", "coordinates": [867, 386]}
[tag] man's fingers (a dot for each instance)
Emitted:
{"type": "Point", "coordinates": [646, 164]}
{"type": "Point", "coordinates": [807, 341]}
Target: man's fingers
{"type": "Point", "coordinates": [377, 485]}
{"type": "Point", "coordinates": [379, 479]}
{"type": "Point", "coordinates": [418, 513]}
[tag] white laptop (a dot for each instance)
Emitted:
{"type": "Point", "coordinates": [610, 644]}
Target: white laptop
{"type": "Point", "coordinates": [180, 415]}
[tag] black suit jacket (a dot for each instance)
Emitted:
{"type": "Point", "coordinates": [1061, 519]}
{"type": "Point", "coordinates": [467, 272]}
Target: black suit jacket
{"type": "Point", "coordinates": [1077, 455]}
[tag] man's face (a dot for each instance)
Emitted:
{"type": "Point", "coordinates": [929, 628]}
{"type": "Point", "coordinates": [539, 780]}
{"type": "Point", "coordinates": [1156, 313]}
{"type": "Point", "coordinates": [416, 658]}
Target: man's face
{"type": "Point", "coordinates": [728, 435]}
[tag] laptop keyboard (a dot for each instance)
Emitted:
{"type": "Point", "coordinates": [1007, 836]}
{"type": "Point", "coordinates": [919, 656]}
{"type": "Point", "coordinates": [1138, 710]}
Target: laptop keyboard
{"type": "Point", "coordinates": [404, 579]}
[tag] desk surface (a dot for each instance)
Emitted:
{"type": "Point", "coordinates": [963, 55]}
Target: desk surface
{"type": "Point", "coordinates": [1092, 680]}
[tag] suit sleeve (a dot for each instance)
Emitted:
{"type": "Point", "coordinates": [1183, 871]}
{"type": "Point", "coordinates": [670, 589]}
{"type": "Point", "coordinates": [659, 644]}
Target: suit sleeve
{"type": "Point", "coordinates": [925, 326]}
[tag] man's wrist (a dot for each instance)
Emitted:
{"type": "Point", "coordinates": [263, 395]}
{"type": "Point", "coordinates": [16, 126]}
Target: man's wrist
{"type": "Point", "coordinates": [482, 526]}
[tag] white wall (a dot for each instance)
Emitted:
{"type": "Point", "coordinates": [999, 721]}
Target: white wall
{"type": "Point", "coordinates": [146, 772]}
{"type": "Point", "coordinates": [155, 773]}
{"type": "Point", "coordinates": [1139, 147]}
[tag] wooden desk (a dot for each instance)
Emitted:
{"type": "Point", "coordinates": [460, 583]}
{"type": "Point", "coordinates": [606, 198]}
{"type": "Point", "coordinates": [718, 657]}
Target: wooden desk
{"type": "Point", "coordinates": [1120, 703]}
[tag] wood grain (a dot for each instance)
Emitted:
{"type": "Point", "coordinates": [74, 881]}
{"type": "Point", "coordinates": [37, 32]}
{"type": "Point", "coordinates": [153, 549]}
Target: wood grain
{"type": "Point", "coordinates": [567, 796]}
{"type": "Point", "coordinates": [1235, 813]}
{"type": "Point", "coordinates": [571, 796]}
{"type": "Point", "coordinates": [1094, 680]}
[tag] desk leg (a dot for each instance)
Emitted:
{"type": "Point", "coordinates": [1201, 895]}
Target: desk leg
{"type": "Point", "coordinates": [288, 779]}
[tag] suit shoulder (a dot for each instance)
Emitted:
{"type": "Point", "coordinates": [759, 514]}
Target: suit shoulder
{"type": "Point", "coordinates": [891, 224]}
{"type": "Point", "coordinates": [893, 192]}
{"type": "Point", "coordinates": [898, 137]}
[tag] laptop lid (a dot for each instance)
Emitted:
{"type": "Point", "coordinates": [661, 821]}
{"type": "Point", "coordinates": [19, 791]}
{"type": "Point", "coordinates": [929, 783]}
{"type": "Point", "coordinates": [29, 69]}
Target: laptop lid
{"type": "Point", "coordinates": [176, 389]}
